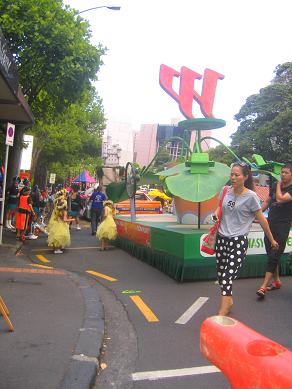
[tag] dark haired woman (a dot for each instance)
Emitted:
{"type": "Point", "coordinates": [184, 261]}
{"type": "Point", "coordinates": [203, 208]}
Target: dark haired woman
{"type": "Point", "coordinates": [239, 209]}
{"type": "Point", "coordinates": [279, 219]}
{"type": "Point", "coordinates": [75, 205]}
{"type": "Point", "coordinates": [35, 198]}
{"type": "Point", "coordinates": [12, 195]}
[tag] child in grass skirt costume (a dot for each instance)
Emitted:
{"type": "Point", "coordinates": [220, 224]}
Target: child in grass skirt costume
{"type": "Point", "coordinates": [58, 227]}
{"type": "Point", "coordinates": [107, 230]}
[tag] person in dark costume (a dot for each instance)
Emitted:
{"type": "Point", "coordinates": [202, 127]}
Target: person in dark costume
{"type": "Point", "coordinates": [24, 212]}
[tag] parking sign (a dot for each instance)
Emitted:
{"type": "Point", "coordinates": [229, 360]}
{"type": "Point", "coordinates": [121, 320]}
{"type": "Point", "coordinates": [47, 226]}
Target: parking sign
{"type": "Point", "coordinates": [10, 134]}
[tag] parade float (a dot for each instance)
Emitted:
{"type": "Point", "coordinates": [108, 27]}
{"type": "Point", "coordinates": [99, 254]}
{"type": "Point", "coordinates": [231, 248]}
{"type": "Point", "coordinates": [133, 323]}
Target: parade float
{"type": "Point", "coordinates": [171, 243]}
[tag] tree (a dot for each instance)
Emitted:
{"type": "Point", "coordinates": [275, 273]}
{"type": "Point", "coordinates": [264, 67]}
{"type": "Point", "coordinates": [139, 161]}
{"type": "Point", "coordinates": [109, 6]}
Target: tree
{"type": "Point", "coordinates": [220, 154]}
{"type": "Point", "coordinates": [51, 47]}
{"type": "Point", "coordinates": [73, 139]}
{"type": "Point", "coordinates": [266, 120]}
{"type": "Point", "coordinates": [55, 59]}
{"type": "Point", "coordinates": [162, 158]}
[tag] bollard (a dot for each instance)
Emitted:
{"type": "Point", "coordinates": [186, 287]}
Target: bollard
{"type": "Point", "coordinates": [247, 359]}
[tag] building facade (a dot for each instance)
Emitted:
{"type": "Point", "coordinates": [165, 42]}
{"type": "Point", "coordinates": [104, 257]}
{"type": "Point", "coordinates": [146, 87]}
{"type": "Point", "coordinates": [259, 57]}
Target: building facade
{"type": "Point", "coordinates": [111, 153]}
{"type": "Point", "coordinates": [144, 144]}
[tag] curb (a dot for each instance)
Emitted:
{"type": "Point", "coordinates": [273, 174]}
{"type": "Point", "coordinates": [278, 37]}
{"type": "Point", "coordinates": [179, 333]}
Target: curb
{"type": "Point", "coordinates": [84, 364]}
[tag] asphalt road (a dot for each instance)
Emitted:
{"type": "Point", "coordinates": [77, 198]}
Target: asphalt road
{"type": "Point", "coordinates": [148, 343]}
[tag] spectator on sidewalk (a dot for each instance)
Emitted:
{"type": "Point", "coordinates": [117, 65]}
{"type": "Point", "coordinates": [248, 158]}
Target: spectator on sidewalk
{"type": "Point", "coordinates": [35, 197]}
{"type": "Point", "coordinates": [96, 200]}
{"type": "Point", "coordinates": [44, 202]}
{"type": "Point", "coordinates": [12, 200]}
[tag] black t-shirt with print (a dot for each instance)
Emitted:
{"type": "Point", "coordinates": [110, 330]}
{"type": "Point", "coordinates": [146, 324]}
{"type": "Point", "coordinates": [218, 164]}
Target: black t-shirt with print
{"type": "Point", "coordinates": [76, 203]}
{"type": "Point", "coordinates": [13, 195]}
{"type": "Point", "coordinates": [280, 212]}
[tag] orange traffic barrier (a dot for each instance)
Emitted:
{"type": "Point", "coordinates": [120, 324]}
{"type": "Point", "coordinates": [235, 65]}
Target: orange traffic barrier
{"type": "Point", "coordinates": [247, 359]}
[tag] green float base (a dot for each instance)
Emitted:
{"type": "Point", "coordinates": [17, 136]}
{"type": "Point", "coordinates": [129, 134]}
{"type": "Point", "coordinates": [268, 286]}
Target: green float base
{"type": "Point", "coordinates": [175, 249]}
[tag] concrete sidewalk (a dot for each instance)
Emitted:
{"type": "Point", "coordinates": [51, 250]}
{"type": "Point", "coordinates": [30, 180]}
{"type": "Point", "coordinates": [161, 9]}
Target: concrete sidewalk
{"type": "Point", "coordinates": [58, 320]}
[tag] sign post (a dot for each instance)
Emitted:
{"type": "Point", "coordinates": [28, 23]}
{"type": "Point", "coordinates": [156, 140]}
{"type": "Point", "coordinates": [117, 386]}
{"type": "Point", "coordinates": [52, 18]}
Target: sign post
{"type": "Point", "coordinates": [52, 178]}
{"type": "Point", "coordinates": [9, 142]}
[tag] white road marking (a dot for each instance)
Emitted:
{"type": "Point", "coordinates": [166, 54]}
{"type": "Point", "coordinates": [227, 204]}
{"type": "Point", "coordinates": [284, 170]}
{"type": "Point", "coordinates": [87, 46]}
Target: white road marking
{"type": "Point", "coordinates": [189, 313]}
{"type": "Point", "coordinates": [82, 358]}
{"type": "Point", "coordinates": [159, 374]}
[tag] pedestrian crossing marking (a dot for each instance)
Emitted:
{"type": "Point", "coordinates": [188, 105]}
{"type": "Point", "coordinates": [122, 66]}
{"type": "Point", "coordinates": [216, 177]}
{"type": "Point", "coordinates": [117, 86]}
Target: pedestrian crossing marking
{"type": "Point", "coordinates": [95, 273]}
{"type": "Point", "coordinates": [160, 374]}
{"type": "Point", "coordinates": [189, 313]}
{"type": "Point", "coordinates": [144, 309]}
{"type": "Point", "coordinates": [42, 258]}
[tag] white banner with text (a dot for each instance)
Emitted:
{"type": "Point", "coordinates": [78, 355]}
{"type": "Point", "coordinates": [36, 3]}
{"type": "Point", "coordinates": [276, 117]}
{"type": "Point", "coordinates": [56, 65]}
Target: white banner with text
{"type": "Point", "coordinates": [256, 244]}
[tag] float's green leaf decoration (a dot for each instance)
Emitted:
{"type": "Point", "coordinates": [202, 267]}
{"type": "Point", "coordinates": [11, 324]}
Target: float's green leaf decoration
{"type": "Point", "coordinates": [198, 187]}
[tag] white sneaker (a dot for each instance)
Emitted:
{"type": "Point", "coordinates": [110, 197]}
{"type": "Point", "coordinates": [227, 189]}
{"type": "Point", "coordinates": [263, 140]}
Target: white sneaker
{"type": "Point", "coordinates": [78, 227]}
{"type": "Point", "coordinates": [32, 236]}
{"type": "Point", "coordinates": [58, 252]}
{"type": "Point", "coordinates": [12, 227]}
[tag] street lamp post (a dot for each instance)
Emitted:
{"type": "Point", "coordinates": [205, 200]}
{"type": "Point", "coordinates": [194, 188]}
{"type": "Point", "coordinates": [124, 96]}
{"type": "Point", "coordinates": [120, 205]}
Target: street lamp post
{"type": "Point", "coordinates": [101, 6]}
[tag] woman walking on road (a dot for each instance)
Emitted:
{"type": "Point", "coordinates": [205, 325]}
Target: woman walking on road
{"type": "Point", "coordinates": [239, 209]}
{"type": "Point", "coordinates": [107, 229]}
{"type": "Point", "coordinates": [96, 200]}
{"type": "Point", "coordinates": [76, 206]}
{"type": "Point", "coordinates": [279, 219]}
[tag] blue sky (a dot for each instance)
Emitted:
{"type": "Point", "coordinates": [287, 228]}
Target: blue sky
{"type": "Point", "coordinates": [244, 40]}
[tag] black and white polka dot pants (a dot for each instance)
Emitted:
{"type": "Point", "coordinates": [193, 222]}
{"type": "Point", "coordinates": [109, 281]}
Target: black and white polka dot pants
{"type": "Point", "coordinates": [230, 254]}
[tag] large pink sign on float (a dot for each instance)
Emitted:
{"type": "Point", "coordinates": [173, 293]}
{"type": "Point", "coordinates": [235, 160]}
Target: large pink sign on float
{"type": "Point", "coordinates": [189, 211]}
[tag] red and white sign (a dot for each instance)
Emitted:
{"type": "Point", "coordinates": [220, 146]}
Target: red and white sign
{"type": "Point", "coordinates": [136, 233]}
{"type": "Point", "coordinates": [10, 134]}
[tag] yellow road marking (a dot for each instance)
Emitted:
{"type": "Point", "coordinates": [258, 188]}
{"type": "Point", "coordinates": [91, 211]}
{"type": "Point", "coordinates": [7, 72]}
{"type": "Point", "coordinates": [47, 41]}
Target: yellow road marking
{"type": "Point", "coordinates": [145, 310]}
{"type": "Point", "coordinates": [24, 270]}
{"type": "Point", "coordinates": [94, 273]}
{"type": "Point", "coordinates": [41, 266]}
{"type": "Point", "coordinates": [42, 258]}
